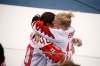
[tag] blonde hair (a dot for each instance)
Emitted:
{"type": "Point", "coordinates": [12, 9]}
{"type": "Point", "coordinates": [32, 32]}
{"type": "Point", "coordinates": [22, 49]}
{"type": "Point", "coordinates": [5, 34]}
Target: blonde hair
{"type": "Point", "coordinates": [65, 19]}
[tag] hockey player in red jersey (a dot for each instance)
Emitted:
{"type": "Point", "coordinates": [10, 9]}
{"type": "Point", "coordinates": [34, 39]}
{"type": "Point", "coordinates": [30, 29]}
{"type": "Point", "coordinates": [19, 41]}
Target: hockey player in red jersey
{"type": "Point", "coordinates": [58, 36]}
{"type": "Point", "coordinates": [56, 51]}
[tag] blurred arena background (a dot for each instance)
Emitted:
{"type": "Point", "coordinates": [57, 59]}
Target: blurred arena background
{"type": "Point", "coordinates": [15, 28]}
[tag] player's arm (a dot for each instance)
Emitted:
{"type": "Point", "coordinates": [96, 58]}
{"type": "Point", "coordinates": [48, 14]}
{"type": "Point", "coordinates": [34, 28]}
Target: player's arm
{"type": "Point", "coordinates": [53, 35]}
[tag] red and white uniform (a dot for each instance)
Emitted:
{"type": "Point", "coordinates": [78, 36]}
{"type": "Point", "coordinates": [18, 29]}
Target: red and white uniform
{"type": "Point", "coordinates": [33, 49]}
{"type": "Point", "coordinates": [57, 36]}
{"type": "Point", "coordinates": [70, 32]}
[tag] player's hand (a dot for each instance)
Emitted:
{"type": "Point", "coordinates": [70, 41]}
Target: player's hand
{"type": "Point", "coordinates": [37, 38]}
{"type": "Point", "coordinates": [77, 42]}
